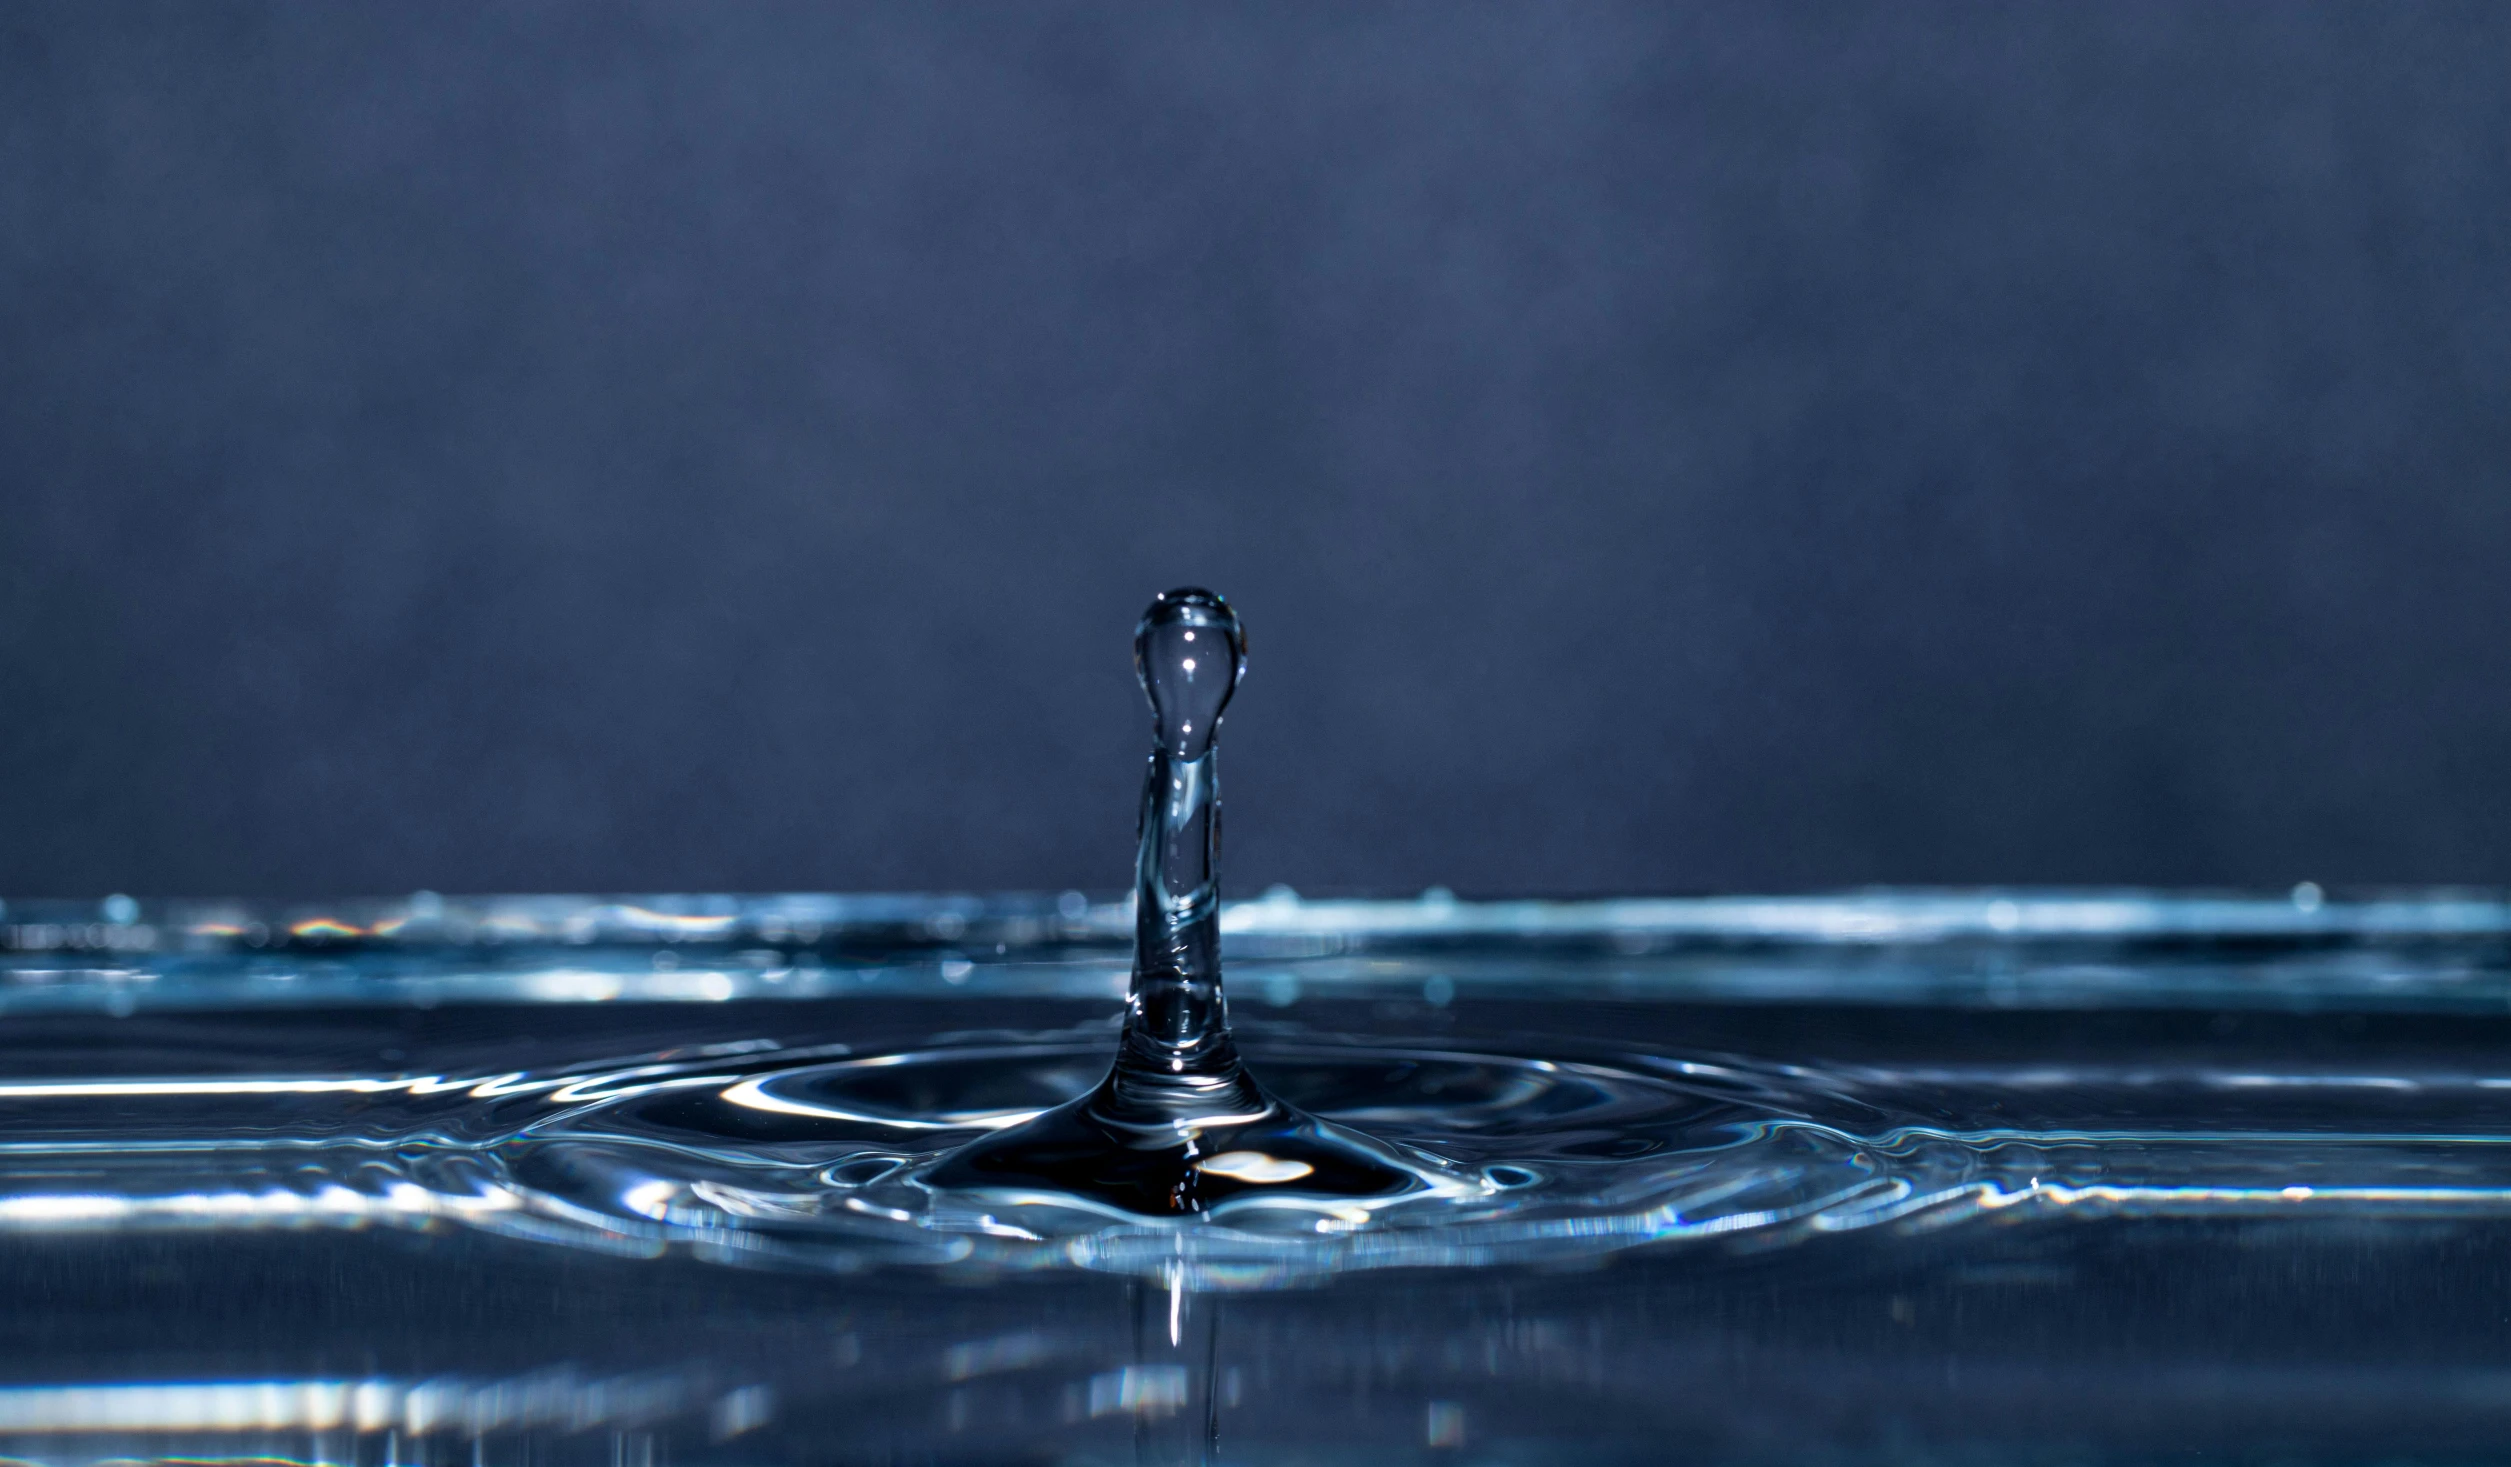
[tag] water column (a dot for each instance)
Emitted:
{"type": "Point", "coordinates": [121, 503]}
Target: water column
{"type": "Point", "coordinates": [1179, 1127]}
{"type": "Point", "coordinates": [1177, 1058]}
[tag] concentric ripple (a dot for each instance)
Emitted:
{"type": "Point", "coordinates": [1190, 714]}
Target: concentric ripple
{"type": "Point", "coordinates": [819, 1159]}
{"type": "Point", "coordinates": [808, 1158]}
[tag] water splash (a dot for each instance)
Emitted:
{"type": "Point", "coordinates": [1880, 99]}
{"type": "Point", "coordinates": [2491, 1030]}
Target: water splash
{"type": "Point", "coordinates": [1179, 1128]}
{"type": "Point", "coordinates": [801, 1082]}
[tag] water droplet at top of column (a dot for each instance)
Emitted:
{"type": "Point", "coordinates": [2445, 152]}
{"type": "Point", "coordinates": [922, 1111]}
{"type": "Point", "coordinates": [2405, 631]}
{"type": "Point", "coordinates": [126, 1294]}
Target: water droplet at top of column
{"type": "Point", "coordinates": [1189, 653]}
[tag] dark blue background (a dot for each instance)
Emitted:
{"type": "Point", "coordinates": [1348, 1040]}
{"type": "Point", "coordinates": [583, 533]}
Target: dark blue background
{"type": "Point", "coordinates": [1715, 446]}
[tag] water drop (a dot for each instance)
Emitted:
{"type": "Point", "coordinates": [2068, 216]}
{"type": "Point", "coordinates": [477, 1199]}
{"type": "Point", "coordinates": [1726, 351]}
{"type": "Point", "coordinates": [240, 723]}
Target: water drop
{"type": "Point", "coordinates": [1179, 1127]}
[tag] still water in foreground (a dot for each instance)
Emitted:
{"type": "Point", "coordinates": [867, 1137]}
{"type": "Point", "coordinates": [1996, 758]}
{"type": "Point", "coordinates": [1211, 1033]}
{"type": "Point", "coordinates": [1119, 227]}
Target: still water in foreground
{"type": "Point", "coordinates": [1892, 1177]}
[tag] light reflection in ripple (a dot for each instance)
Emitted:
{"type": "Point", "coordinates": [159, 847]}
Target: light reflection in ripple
{"type": "Point", "coordinates": [798, 1158]}
{"type": "Point", "coordinates": [560, 1399]}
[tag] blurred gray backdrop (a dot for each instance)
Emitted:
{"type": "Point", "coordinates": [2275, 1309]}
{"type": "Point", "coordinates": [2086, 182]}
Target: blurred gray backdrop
{"type": "Point", "coordinates": [1654, 447]}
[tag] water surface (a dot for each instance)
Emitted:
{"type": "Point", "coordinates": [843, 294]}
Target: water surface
{"type": "Point", "coordinates": [1895, 1176]}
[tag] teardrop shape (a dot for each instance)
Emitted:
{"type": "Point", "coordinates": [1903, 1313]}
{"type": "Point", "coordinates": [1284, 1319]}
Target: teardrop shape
{"type": "Point", "coordinates": [1189, 653]}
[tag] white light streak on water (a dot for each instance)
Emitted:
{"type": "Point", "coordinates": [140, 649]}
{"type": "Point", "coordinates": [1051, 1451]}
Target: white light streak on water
{"type": "Point", "coordinates": [556, 1399]}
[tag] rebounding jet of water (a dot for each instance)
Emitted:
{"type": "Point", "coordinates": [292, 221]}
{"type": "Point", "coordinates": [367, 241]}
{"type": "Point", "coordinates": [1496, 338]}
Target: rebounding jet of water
{"type": "Point", "coordinates": [1179, 1127]}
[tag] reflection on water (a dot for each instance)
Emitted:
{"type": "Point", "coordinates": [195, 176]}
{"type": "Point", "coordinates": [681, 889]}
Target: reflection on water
{"type": "Point", "coordinates": [771, 1156]}
{"type": "Point", "coordinates": [643, 1181]}
{"type": "Point", "coordinates": [333, 1420]}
